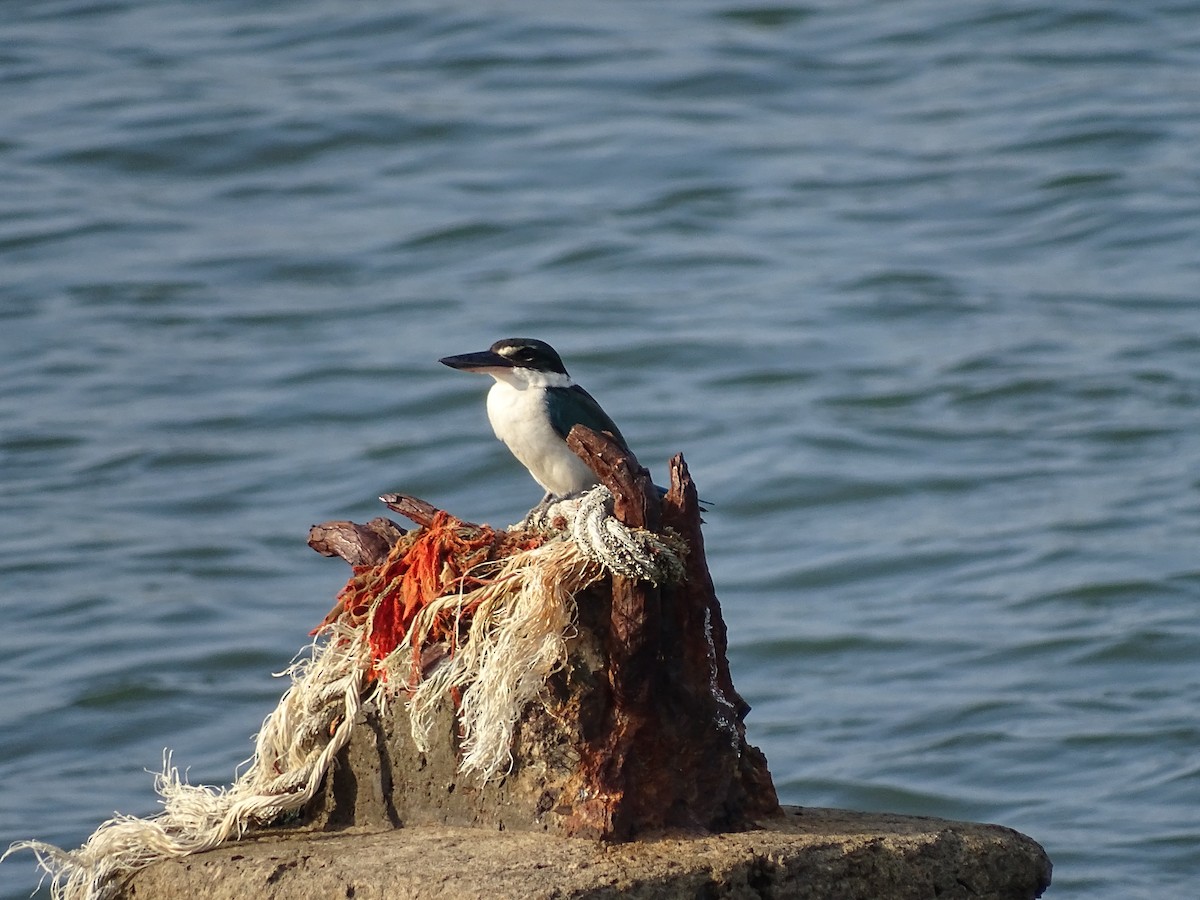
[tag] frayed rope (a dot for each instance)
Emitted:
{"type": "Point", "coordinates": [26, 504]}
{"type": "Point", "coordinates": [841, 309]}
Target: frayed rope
{"type": "Point", "coordinates": [516, 640]}
{"type": "Point", "coordinates": [293, 752]}
{"type": "Point", "coordinates": [505, 623]}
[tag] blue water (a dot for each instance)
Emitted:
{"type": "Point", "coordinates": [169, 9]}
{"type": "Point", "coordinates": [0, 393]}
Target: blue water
{"type": "Point", "coordinates": [912, 285]}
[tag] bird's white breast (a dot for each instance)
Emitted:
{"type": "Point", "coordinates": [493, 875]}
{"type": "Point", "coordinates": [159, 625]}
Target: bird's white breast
{"type": "Point", "coordinates": [516, 407]}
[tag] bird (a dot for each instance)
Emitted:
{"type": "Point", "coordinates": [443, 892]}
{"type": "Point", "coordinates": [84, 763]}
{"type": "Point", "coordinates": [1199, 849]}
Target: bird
{"type": "Point", "coordinates": [532, 407]}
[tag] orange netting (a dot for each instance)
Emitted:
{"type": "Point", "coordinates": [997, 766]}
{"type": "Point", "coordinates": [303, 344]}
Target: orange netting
{"type": "Point", "coordinates": [442, 558]}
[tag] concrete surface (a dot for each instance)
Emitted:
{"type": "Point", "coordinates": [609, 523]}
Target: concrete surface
{"type": "Point", "coordinates": [803, 855]}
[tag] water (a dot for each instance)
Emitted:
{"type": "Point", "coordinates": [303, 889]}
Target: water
{"type": "Point", "coordinates": [912, 285]}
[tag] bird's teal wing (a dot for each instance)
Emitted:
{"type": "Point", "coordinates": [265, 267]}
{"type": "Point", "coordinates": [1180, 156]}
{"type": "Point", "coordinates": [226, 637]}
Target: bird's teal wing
{"type": "Point", "coordinates": [574, 406]}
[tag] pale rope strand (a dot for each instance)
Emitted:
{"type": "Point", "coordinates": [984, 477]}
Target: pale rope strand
{"type": "Point", "coordinates": [633, 552]}
{"type": "Point", "coordinates": [516, 641]}
{"type": "Point", "coordinates": [325, 689]}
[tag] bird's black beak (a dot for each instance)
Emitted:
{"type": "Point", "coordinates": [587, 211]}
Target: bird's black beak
{"type": "Point", "coordinates": [471, 361]}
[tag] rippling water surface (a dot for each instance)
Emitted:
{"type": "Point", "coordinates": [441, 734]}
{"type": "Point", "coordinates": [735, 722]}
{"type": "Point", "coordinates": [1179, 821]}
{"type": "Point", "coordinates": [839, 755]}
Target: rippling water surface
{"type": "Point", "coordinates": [913, 286]}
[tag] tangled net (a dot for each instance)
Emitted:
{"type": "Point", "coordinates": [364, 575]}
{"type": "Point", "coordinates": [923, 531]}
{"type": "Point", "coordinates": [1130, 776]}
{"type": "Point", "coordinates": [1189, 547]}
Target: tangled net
{"type": "Point", "coordinates": [444, 558]}
{"type": "Point", "coordinates": [481, 614]}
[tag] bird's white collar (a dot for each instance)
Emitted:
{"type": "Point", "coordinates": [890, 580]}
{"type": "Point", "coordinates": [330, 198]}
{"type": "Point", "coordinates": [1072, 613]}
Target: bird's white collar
{"type": "Point", "coordinates": [529, 378]}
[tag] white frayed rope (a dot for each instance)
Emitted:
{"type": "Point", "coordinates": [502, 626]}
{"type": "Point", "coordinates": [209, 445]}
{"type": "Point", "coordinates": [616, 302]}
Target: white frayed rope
{"type": "Point", "coordinates": [292, 753]}
{"type": "Point", "coordinates": [517, 639]}
{"type": "Point", "coordinates": [633, 552]}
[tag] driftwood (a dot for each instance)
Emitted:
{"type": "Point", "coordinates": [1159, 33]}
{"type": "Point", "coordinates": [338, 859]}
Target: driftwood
{"type": "Point", "coordinates": [675, 751]}
{"type": "Point", "coordinates": [359, 545]}
{"type": "Point", "coordinates": [653, 731]}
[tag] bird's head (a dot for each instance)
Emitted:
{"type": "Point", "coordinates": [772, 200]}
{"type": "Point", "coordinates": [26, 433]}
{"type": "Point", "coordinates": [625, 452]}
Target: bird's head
{"type": "Point", "coordinates": [513, 358]}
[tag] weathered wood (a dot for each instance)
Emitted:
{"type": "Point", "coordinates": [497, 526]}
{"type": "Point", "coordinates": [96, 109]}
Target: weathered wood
{"type": "Point", "coordinates": [359, 545]}
{"type": "Point", "coordinates": [681, 512]}
{"type": "Point", "coordinates": [414, 508]}
{"type": "Point", "coordinates": [674, 750]}
{"type": "Point", "coordinates": [703, 655]}
{"type": "Point", "coordinates": [632, 644]}
{"type": "Point", "coordinates": [648, 711]}
{"type": "Point", "coordinates": [635, 498]}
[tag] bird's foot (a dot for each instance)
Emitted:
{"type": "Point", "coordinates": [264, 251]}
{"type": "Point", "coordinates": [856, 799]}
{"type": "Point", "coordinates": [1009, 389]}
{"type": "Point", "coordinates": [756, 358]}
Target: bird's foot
{"type": "Point", "coordinates": [549, 514]}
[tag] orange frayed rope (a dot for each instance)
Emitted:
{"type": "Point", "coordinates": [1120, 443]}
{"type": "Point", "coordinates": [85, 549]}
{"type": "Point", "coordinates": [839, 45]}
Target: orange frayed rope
{"type": "Point", "coordinates": [445, 557]}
